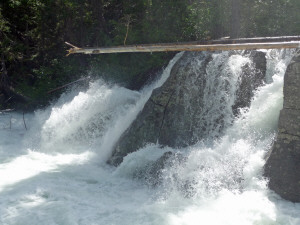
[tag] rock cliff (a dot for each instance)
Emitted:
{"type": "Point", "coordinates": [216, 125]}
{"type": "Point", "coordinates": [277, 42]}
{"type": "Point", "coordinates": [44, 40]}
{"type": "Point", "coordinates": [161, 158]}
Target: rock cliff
{"type": "Point", "coordinates": [283, 165]}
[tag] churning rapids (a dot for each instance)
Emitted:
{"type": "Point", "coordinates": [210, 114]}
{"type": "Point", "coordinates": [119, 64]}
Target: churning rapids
{"type": "Point", "coordinates": [55, 173]}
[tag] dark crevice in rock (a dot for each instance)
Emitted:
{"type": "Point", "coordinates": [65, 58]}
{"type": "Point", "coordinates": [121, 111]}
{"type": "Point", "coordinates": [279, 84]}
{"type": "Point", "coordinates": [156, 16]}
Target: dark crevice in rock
{"type": "Point", "coordinates": [155, 103]}
{"type": "Point", "coordinates": [291, 108]}
{"type": "Point", "coordinates": [164, 114]}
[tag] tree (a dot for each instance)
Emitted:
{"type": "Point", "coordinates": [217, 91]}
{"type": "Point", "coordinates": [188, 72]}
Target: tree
{"type": "Point", "coordinates": [235, 31]}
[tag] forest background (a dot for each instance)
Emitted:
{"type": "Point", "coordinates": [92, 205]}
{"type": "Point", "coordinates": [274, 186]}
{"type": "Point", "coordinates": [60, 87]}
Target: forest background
{"type": "Point", "coordinates": [32, 34]}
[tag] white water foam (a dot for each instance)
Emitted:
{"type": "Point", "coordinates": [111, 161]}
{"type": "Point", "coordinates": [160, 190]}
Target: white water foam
{"type": "Point", "coordinates": [54, 173]}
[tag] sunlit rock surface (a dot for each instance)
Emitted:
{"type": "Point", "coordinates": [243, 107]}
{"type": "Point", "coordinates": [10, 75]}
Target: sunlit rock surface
{"type": "Point", "coordinates": [283, 165]}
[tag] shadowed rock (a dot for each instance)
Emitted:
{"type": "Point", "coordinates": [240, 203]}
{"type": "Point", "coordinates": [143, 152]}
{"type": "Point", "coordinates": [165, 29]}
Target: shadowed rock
{"type": "Point", "coordinates": [252, 77]}
{"type": "Point", "coordinates": [176, 114]}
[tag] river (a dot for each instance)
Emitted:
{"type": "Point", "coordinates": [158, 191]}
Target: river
{"type": "Point", "coordinates": [55, 172]}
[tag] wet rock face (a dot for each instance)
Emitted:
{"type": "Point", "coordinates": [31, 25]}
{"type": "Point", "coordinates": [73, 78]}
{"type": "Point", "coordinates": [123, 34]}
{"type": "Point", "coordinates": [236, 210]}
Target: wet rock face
{"type": "Point", "coordinates": [252, 77]}
{"type": "Point", "coordinates": [283, 165]}
{"type": "Point", "coordinates": [164, 118]}
{"type": "Point", "coordinates": [180, 113]}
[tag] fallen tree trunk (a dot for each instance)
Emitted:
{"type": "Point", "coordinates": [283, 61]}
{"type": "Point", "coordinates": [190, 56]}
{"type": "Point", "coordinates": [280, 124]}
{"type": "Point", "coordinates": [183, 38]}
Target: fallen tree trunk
{"type": "Point", "coordinates": [214, 45]}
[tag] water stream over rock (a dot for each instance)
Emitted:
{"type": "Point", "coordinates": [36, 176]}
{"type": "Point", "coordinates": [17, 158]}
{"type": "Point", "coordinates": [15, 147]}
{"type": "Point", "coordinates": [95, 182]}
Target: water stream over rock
{"type": "Point", "coordinates": [209, 172]}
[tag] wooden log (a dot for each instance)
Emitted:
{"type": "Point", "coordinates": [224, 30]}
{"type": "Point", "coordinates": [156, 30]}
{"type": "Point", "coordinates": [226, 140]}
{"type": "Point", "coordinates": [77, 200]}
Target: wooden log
{"type": "Point", "coordinates": [168, 48]}
{"type": "Point", "coordinates": [252, 40]}
{"type": "Point", "coordinates": [215, 45]}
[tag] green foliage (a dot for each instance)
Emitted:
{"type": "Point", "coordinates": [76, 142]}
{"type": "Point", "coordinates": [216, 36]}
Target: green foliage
{"type": "Point", "coordinates": [270, 18]}
{"type": "Point", "coordinates": [32, 35]}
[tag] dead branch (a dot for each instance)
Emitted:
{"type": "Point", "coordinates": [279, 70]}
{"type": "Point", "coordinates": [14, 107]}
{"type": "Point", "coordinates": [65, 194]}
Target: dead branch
{"type": "Point", "coordinates": [214, 45]}
{"type": "Point", "coordinates": [68, 84]}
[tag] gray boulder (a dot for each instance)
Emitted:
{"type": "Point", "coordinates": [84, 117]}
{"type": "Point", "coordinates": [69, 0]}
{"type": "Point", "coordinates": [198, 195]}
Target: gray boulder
{"type": "Point", "coordinates": [193, 103]}
{"type": "Point", "coordinates": [283, 165]}
{"type": "Point", "coordinates": [164, 118]}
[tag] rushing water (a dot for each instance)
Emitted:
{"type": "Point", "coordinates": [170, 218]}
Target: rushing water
{"type": "Point", "coordinates": [55, 172]}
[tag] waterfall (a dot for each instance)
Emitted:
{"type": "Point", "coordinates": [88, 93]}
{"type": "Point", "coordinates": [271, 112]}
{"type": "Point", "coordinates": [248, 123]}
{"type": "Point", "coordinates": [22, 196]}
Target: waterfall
{"type": "Point", "coordinates": [56, 172]}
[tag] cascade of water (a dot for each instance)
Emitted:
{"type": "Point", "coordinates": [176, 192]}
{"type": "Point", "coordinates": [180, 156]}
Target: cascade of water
{"type": "Point", "coordinates": [93, 119]}
{"type": "Point", "coordinates": [222, 81]}
{"type": "Point", "coordinates": [215, 162]}
{"type": "Point", "coordinates": [54, 176]}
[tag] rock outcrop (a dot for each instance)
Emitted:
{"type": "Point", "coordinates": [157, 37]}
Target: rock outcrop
{"type": "Point", "coordinates": [198, 100]}
{"type": "Point", "coordinates": [283, 165]}
{"type": "Point", "coordinates": [252, 77]}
